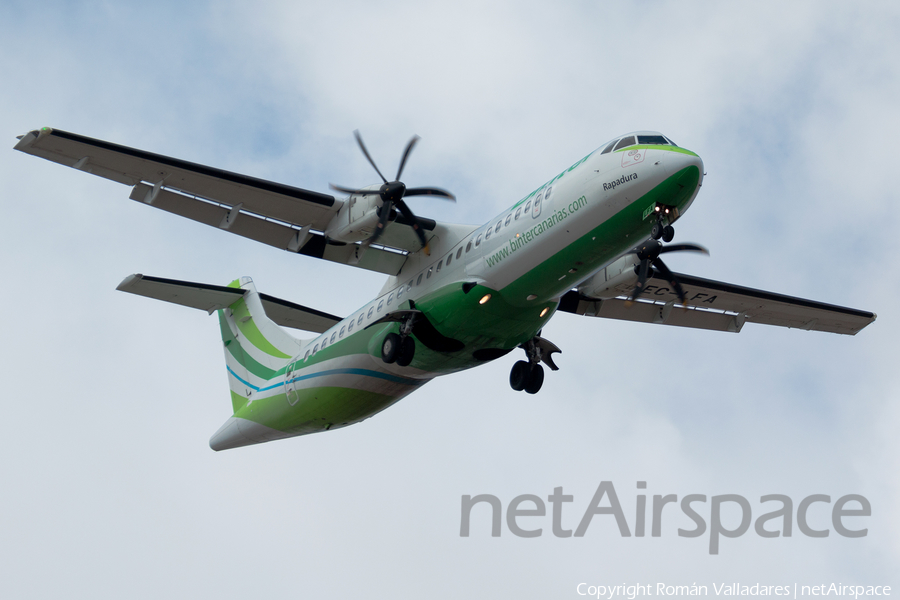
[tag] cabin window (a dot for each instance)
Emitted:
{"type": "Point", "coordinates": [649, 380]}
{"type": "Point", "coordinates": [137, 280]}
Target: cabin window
{"type": "Point", "coordinates": [518, 212]}
{"type": "Point", "coordinates": [508, 219]}
{"type": "Point", "coordinates": [306, 355]}
{"type": "Point", "coordinates": [390, 298]}
{"type": "Point", "coordinates": [487, 235]}
{"type": "Point", "coordinates": [409, 285]}
{"type": "Point", "coordinates": [340, 335]}
{"type": "Point", "coordinates": [350, 326]}
{"type": "Point", "coordinates": [528, 206]}
{"type": "Point", "coordinates": [469, 246]}
{"type": "Point", "coordinates": [459, 252]}
{"type": "Point", "coordinates": [625, 142]}
{"type": "Point", "coordinates": [400, 293]}
{"type": "Point", "coordinates": [419, 280]}
{"type": "Point", "coordinates": [359, 321]}
{"type": "Point", "coordinates": [497, 228]}
{"type": "Point", "coordinates": [478, 240]}
{"type": "Point", "coordinates": [449, 258]}
{"type": "Point", "coordinates": [438, 270]}
{"type": "Point", "coordinates": [333, 336]}
{"type": "Point", "coordinates": [430, 269]}
{"type": "Point", "coordinates": [324, 343]}
{"type": "Point", "coordinates": [547, 193]}
{"type": "Point", "coordinates": [609, 148]}
{"type": "Point", "coordinates": [316, 349]}
{"type": "Point", "coordinates": [371, 310]}
{"type": "Point", "coordinates": [380, 305]}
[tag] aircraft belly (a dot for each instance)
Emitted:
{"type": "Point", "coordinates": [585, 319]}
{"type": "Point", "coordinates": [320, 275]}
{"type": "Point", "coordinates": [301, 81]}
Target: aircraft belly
{"type": "Point", "coordinates": [329, 394]}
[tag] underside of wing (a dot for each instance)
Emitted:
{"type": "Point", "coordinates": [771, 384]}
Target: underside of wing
{"type": "Point", "coordinates": [718, 306]}
{"type": "Point", "coordinates": [211, 298]}
{"type": "Point", "coordinates": [279, 215]}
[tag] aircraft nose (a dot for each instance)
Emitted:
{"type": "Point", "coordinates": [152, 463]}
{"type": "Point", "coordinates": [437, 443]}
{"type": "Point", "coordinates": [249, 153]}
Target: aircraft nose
{"type": "Point", "coordinates": [686, 163]}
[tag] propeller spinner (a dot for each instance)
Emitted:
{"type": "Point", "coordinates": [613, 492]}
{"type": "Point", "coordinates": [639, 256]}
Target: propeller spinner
{"type": "Point", "coordinates": [392, 193]}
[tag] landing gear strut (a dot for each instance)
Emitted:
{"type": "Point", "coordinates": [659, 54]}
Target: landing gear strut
{"type": "Point", "coordinates": [400, 348]}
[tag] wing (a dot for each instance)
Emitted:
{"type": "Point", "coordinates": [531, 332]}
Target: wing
{"type": "Point", "coordinates": [718, 306]}
{"type": "Point", "coordinates": [279, 215]}
{"type": "Point", "coordinates": [216, 297]}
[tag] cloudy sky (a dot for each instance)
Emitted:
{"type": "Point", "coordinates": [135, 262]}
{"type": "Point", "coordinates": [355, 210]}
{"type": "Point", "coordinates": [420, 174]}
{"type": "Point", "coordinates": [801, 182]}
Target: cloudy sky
{"type": "Point", "coordinates": [109, 487]}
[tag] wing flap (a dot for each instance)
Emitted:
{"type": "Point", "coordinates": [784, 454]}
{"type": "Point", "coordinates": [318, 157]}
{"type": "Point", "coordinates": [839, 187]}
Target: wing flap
{"type": "Point", "coordinates": [719, 306]}
{"type": "Point", "coordinates": [211, 298]}
{"type": "Point", "coordinates": [284, 236]}
{"type": "Point", "coordinates": [649, 312]}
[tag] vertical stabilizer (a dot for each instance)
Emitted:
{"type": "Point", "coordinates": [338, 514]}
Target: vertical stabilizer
{"type": "Point", "coordinates": [256, 349]}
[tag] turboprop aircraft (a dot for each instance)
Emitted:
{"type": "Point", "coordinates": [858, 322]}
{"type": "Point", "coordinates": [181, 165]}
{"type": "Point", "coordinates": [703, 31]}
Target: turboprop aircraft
{"type": "Point", "coordinates": [587, 241]}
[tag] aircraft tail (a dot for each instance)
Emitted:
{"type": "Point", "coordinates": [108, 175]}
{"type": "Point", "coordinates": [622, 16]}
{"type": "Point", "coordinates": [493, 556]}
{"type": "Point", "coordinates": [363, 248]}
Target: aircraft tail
{"type": "Point", "coordinates": [256, 349]}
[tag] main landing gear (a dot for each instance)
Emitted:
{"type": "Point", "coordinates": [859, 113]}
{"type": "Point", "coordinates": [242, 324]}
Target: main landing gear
{"type": "Point", "coordinates": [528, 374]}
{"type": "Point", "coordinates": [400, 348]}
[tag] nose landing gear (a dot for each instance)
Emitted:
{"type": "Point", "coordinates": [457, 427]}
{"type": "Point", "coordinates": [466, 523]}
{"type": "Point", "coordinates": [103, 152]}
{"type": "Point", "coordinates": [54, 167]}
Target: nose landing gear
{"type": "Point", "coordinates": [528, 374]}
{"type": "Point", "coordinates": [662, 229]}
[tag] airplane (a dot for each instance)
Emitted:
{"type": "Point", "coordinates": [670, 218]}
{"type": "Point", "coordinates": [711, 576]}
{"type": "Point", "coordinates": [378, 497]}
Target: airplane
{"type": "Point", "coordinates": [588, 241]}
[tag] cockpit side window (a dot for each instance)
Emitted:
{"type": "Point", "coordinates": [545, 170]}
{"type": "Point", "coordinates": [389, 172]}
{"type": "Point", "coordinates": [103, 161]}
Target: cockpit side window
{"type": "Point", "coordinates": [624, 142]}
{"type": "Point", "coordinates": [609, 148]}
{"type": "Point", "coordinates": [671, 142]}
{"type": "Point", "coordinates": [653, 139]}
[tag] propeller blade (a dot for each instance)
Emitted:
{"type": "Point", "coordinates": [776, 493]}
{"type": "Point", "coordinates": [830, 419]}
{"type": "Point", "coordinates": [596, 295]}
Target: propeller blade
{"type": "Point", "coordinates": [366, 152]}
{"type": "Point", "coordinates": [430, 191]}
{"type": "Point", "coordinates": [689, 247]}
{"type": "Point", "coordinates": [352, 191]}
{"type": "Point", "coordinates": [406, 212]}
{"type": "Point", "coordinates": [642, 279]}
{"type": "Point", "coordinates": [383, 216]}
{"type": "Point", "coordinates": [673, 281]}
{"type": "Point", "coordinates": [406, 152]}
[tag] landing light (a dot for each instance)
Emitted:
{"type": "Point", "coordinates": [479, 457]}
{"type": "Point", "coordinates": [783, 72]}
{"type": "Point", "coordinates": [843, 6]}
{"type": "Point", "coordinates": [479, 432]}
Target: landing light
{"type": "Point", "coordinates": [484, 299]}
{"type": "Point", "coordinates": [544, 312]}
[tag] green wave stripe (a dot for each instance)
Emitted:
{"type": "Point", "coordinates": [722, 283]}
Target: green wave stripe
{"type": "Point", "coordinates": [252, 332]}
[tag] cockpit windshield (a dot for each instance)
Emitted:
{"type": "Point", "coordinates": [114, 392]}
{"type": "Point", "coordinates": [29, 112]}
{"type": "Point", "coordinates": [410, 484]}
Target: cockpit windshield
{"type": "Point", "coordinates": [652, 139]}
{"type": "Point", "coordinates": [631, 140]}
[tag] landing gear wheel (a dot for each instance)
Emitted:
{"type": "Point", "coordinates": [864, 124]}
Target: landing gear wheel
{"type": "Point", "coordinates": [535, 379]}
{"type": "Point", "coordinates": [390, 348]}
{"type": "Point", "coordinates": [668, 233]}
{"type": "Point", "coordinates": [657, 231]}
{"type": "Point", "coordinates": [519, 376]}
{"type": "Point", "coordinates": [407, 351]}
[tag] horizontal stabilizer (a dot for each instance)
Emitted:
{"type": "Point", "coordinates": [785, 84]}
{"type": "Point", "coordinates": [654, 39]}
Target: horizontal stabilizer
{"type": "Point", "coordinates": [211, 298]}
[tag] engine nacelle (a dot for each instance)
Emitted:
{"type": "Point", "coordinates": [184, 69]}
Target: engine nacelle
{"type": "Point", "coordinates": [616, 279]}
{"type": "Point", "coordinates": [357, 219]}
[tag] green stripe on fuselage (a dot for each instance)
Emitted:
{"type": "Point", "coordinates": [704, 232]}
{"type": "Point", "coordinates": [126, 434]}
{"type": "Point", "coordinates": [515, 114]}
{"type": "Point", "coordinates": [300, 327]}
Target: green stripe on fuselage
{"type": "Point", "coordinates": [317, 409]}
{"type": "Point", "coordinates": [658, 147]}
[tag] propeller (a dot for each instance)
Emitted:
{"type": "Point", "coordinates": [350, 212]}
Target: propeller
{"type": "Point", "coordinates": [648, 253]}
{"type": "Point", "coordinates": [392, 193]}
